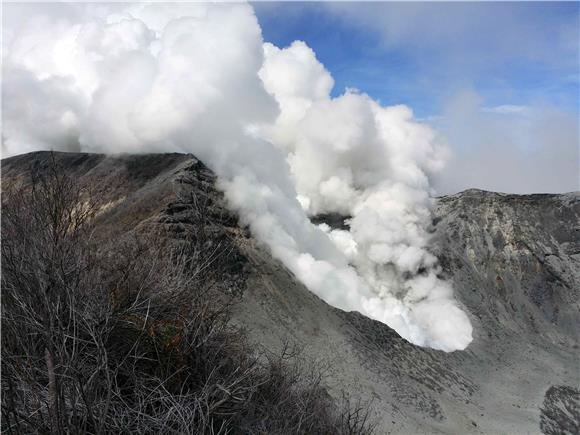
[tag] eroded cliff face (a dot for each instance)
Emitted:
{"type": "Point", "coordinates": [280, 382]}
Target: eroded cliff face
{"type": "Point", "coordinates": [524, 251]}
{"type": "Point", "coordinates": [514, 262]}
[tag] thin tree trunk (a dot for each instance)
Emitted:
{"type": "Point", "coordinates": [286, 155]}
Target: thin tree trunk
{"type": "Point", "coordinates": [52, 395]}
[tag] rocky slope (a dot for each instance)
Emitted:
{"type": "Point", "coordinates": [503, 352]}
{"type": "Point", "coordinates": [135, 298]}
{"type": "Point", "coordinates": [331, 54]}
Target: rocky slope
{"type": "Point", "coordinates": [515, 265]}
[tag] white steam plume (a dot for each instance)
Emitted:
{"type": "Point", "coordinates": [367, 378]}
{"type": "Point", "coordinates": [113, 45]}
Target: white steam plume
{"type": "Point", "coordinates": [198, 78]}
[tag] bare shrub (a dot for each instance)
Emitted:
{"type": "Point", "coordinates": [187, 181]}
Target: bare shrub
{"type": "Point", "coordinates": [128, 335]}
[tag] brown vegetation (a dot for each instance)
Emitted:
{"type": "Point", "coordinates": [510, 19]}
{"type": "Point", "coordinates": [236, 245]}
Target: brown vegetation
{"type": "Point", "coordinates": [129, 335]}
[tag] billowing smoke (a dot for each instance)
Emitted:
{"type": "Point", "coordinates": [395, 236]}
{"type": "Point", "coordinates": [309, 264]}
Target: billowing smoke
{"type": "Point", "coordinates": [198, 78]}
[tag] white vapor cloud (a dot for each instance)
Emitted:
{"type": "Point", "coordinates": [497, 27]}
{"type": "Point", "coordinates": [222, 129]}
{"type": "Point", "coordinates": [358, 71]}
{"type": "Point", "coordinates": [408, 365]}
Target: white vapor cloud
{"type": "Point", "coordinates": [508, 148]}
{"type": "Point", "coordinates": [198, 78]}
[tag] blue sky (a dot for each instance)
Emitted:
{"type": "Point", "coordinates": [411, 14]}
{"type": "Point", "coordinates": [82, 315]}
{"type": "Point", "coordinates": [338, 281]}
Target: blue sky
{"type": "Point", "coordinates": [500, 81]}
{"type": "Point", "coordinates": [422, 53]}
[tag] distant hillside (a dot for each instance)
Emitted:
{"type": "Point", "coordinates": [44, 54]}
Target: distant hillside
{"type": "Point", "coordinates": [514, 262]}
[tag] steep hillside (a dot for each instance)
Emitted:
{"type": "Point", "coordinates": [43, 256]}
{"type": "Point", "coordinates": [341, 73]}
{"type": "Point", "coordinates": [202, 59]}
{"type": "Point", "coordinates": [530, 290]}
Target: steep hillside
{"type": "Point", "coordinates": [515, 265]}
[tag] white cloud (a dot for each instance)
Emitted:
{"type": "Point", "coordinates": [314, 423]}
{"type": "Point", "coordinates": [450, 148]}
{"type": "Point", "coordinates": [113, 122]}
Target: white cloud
{"type": "Point", "coordinates": [350, 155]}
{"type": "Point", "coordinates": [198, 78]}
{"type": "Point", "coordinates": [514, 149]}
{"type": "Point", "coordinates": [507, 109]}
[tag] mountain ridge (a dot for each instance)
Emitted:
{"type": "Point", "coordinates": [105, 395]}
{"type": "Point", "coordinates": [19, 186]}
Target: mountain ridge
{"type": "Point", "coordinates": [514, 261]}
